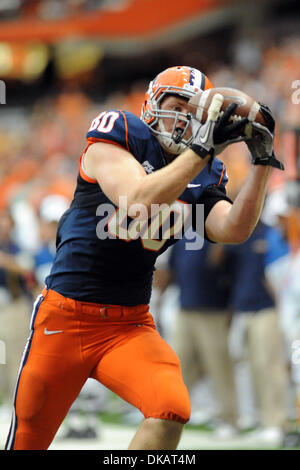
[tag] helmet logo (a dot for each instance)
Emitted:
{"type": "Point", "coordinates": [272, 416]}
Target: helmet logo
{"type": "Point", "coordinates": [192, 77]}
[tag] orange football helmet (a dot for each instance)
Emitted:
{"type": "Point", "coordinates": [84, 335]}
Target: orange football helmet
{"type": "Point", "coordinates": [182, 81]}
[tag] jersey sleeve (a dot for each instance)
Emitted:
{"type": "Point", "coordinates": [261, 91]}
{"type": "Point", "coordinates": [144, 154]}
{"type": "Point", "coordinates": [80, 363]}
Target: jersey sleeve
{"type": "Point", "coordinates": [219, 176]}
{"type": "Point", "coordinates": [214, 181]}
{"type": "Point", "coordinates": [119, 128]}
{"type": "Point", "coordinates": [214, 176]}
{"type": "Point", "coordinates": [211, 196]}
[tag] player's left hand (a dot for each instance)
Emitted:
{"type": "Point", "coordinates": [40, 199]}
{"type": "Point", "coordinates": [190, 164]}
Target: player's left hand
{"type": "Point", "coordinates": [261, 142]}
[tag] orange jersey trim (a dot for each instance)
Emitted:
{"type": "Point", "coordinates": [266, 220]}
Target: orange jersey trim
{"type": "Point", "coordinates": [86, 177]}
{"type": "Point", "coordinates": [221, 177]}
{"type": "Point", "coordinates": [126, 130]}
{"type": "Point", "coordinates": [92, 140]}
{"type": "Point", "coordinates": [82, 173]}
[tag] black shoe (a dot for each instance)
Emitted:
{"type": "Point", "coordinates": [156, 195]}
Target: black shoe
{"type": "Point", "coordinates": [85, 433]}
{"type": "Point", "coordinates": [292, 440]}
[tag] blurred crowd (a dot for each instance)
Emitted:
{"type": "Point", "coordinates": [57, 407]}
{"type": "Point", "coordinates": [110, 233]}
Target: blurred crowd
{"type": "Point", "coordinates": [39, 153]}
{"type": "Point", "coordinates": [52, 9]}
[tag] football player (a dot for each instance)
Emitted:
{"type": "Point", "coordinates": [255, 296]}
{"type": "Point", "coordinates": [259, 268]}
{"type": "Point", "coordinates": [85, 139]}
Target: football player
{"type": "Point", "coordinates": [92, 318]}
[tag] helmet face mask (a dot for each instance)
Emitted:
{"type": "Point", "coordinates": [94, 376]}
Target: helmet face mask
{"type": "Point", "coordinates": [182, 82]}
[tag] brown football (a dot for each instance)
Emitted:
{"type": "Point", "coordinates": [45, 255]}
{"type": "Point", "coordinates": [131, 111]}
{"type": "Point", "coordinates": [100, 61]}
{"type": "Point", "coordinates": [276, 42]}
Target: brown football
{"type": "Point", "coordinates": [247, 107]}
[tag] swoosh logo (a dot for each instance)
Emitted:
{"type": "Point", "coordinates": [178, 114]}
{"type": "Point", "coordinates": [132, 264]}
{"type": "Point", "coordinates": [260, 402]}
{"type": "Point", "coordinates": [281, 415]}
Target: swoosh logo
{"type": "Point", "coordinates": [192, 185]}
{"type": "Point", "coordinates": [204, 138]}
{"type": "Point", "coordinates": [52, 332]}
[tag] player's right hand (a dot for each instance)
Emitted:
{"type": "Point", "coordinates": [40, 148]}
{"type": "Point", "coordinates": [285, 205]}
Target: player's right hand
{"type": "Point", "coordinates": [217, 133]}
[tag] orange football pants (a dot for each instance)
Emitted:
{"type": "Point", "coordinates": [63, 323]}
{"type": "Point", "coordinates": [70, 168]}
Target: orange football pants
{"type": "Point", "coordinates": [71, 341]}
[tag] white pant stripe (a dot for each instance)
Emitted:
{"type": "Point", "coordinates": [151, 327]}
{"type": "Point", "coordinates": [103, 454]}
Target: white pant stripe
{"type": "Point", "coordinates": [13, 427]}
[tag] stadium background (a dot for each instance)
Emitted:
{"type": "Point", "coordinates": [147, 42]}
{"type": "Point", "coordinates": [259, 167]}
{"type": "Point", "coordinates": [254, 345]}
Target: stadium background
{"type": "Point", "coordinates": [65, 62]}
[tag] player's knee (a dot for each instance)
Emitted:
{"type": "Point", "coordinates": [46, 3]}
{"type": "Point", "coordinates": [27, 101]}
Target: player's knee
{"type": "Point", "coordinates": [163, 427]}
{"type": "Point", "coordinates": [176, 409]}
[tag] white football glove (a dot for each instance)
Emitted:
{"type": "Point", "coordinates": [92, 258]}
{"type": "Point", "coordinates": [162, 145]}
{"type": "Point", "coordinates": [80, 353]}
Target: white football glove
{"type": "Point", "coordinates": [217, 133]}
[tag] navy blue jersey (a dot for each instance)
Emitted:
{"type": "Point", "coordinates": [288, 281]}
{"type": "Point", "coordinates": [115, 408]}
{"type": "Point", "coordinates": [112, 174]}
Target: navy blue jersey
{"type": "Point", "coordinates": [250, 293]}
{"type": "Point", "coordinates": [203, 283]}
{"type": "Point", "coordinates": [103, 256]}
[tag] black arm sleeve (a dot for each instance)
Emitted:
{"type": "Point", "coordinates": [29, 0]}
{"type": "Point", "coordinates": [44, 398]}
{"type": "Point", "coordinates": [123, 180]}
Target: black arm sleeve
{"type": "Point", "coordinates": [210, 196]}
